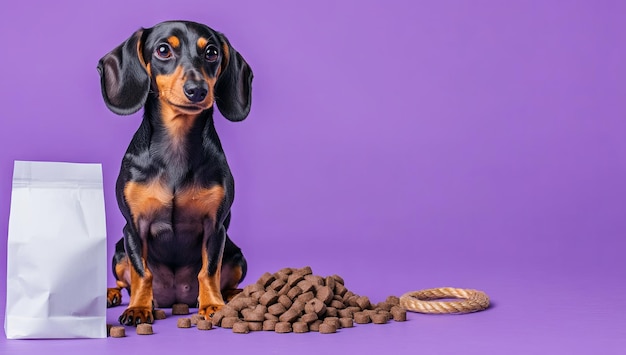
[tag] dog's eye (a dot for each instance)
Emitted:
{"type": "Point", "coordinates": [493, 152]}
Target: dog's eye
{"type": "Point", "coordinates": [163, 51]}
{"type": "Point", "coordinates": [211, 54]}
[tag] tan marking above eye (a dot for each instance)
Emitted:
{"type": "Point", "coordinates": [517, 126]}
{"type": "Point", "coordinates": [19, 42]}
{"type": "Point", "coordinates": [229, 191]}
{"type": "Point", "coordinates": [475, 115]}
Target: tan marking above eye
{"type": "Point", "coordinates": [173, 41]}
{"type": "Point", "coordinates": [202, 42]}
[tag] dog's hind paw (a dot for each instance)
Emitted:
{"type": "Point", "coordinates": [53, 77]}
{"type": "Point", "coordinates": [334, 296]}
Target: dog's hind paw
{"type": "Point", "coordinates": [114, 297]}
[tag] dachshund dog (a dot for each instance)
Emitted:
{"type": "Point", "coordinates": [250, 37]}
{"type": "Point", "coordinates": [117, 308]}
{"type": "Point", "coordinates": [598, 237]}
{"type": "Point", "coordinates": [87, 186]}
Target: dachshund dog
{"type": "Point", "coordinates": [175, 188]}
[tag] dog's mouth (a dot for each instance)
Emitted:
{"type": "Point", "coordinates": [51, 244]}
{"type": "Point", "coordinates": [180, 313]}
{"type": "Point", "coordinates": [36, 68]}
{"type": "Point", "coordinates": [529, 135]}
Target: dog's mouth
{"type": "Point", "coordinates": [189, 108]}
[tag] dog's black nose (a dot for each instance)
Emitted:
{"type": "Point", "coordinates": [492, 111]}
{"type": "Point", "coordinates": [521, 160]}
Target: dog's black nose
{"type": "Point", "coordinates": [195, 91]}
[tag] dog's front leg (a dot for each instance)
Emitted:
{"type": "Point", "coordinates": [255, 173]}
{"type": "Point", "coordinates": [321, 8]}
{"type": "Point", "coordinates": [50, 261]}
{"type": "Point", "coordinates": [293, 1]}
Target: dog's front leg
{"type": "Point", "coordinates": [140, 306]}
{"type": "Point", "coordinates": [209, 295]}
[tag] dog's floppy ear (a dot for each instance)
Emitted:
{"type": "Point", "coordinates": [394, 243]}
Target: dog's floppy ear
{"type": "Point", "coordinates": [123, 76]}
{"type": "Point", "coordinates": [234, 86]}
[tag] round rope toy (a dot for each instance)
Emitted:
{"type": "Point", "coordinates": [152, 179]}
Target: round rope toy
{"type": "Point", "coordinates": [423, 301]}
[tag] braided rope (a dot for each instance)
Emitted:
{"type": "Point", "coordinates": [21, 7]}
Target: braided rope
{"type": "Point", "coordinates": [422, 301]}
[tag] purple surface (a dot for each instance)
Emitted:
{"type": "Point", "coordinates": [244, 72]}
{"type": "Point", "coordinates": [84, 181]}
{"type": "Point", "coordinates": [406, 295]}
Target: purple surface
{"type": "Point", "coordinates": [401, 144]}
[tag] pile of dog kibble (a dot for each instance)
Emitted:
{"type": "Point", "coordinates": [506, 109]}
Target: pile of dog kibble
{"type": "Point", "coordinates": [295, 300]}
{"type": "Point", "coordinates": [292, 300]}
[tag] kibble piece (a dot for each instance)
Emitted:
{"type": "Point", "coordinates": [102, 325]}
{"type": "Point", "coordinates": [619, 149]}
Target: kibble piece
{"type": "Point", "coordinates": [385, 313]}
{"type": "Point", "coordinates": [159, 314]}
{"type": "Point", "coordinates": [298, 305]}
{"type": "Point", "coordinates": [352, 301]}
{"type": "Point", "coordinates": [338, 279]}
{"type": "Point", "coordinates": [180, 309]}
{"type": "Point", "coordinates": [283, 327]}
{"type": "Point", "coordinates": [286, 271]}
{"type": "Point", "coordinates": [195, 318]}
{"type": "Point", "coordinates": [337, 304]}
{"type": "Point", "coordinates": [266, 279]}
{"type": "Point", "coordinates": [369, 312]}
{"type": "Point", "coordinates": [309, 318]}
{"type": "Point", "coordinates": [251, 288]}
{"type": "Point", "coordinates": [255, 326]}
{"type": "Point", "coordinates": [217, 318]}
{"type": "Point", "coordinates": [284, 290]}
{"type": "Point", "coordinates": [315, 306]}
{"type": "Point", "coordinates": [334, 321]}
{"type": "Point", "coordinates": [354, 309]}
{"type": "Point", "coordinates": [345, 313]}
{"type": "Point", "coordinates": [118, 332]}
{"type": "Point", "coordinates": [269, 298]}
{"type": "Point", "coordinates": [276, 309]}
{"type": "Point", "coordinates": [315, 280]}
{"type": "Point", "coordinates": [315, 326]}
{"type": "Point", "coordinates": [340, 289]}
{"type": "Point", "coordinates": [384, 306]}
{"type": "Point", "coordinates": [379, 318]}
{"type": "Point", "coordinates": [300, 327]}
{"type": "Point", "coordinates": [269, 325]}
{"type": "Point", "coordinates": [109, 326]}
{"type": "Point", "coordinates": [241, 328]}
{"type": "Point", "coordinates": [363, 302]}
{"type": "Point", "coordinates": [269, 316]}
{"type": "Point", "coordinates": [255, 317]}
{"type": "Point", "coordinates": [346, 322]}
{"type": "Point", "coordinates": [294, 292]}
{"type": "Point", "coordinates": [393, 300]}
{"type": "Point", "coordinates": [289, 316]}
{"type": "Point", "coordinates": [361, 318]}
{"type": "Point", "coordinates": [294, 279]}
{"type": "Point", "coordinates": [305, 271]}
{"type": "Point", "coordinates": [306, 297]}
{"type": "Point", "coordinates": [325, 294]}
{"type": "Point", "coordinates": [330, 282]}
{"type": "Point", "coordinates": [184, 322]}
{"type": "Point", "coordinates": [398, 314]}
{"type": "Point", "coordinates": [228, 322]}
{"type": "Point", "coordinates": [326, 328]}
{"type": "Point", "coordinates": [253, 300]}
{"type": "Point", "coordinates": [204, 324]}
{"type": "Point", "coordinates": [285, 301]}
{"type": "Point", "coordinates": [282, 276]}
{"type": "Point", "coordinates": [331, 312]}
{"type": "Point", "coordinates": [277, 284]}
{"type": "Point", "coordinates": [246, 311]}
{"type": "Point", "coordinates": [144, 329]}
{"type": "Point", "coordinates": [236, 304]}
{"type": "Point", "coordinates": [306, 286]}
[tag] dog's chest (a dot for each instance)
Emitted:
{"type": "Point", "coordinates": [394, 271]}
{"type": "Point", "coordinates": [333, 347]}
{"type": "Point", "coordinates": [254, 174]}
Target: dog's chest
{"type": "Point", "coordinates": [161, 212]}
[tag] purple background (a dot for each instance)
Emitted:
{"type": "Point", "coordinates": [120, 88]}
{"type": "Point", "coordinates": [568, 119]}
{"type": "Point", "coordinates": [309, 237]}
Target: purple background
{"type": "Point", "coordinates": [401, 144]}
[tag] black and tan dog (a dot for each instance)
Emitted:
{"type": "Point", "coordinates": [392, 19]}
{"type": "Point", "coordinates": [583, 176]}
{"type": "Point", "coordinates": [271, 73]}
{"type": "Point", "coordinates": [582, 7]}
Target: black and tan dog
{"type": "Point", "coordinates": [175, 188]}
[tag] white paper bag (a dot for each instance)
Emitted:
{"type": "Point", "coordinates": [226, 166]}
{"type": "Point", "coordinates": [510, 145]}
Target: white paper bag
{"type": "Point", "coordinates": [56, 255]}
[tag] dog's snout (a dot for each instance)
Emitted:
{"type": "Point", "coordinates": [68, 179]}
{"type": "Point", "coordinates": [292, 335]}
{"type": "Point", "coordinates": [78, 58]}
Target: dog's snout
{"type": "Point", "coordinates": [195, 91]}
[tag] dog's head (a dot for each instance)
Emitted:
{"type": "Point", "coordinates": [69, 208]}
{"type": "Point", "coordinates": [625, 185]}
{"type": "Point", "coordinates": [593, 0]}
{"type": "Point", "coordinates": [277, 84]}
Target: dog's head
{"type": "Point", "coordinates": [187, 65]}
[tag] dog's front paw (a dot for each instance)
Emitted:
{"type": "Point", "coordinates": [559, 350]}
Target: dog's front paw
{"type": "Point", "coordinates": [114, 297]}
{"type": "Point", "coordinates": [209, 310]}
{"type": "Point", "coordinates": [136, 315]}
